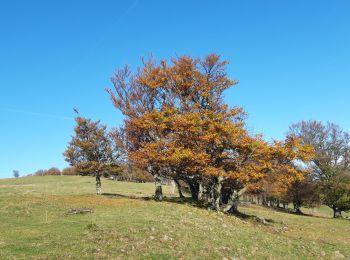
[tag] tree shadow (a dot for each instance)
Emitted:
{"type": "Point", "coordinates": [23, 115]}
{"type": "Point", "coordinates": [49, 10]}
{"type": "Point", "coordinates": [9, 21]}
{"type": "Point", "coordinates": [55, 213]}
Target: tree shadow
{"type": "Point", "coordinates": [190, 201]}
{"type": "Point", "coordinates": [118, 195]}
{"type": "Point", "coordinates": [292, 212]}
{"type": "Point", "coordinates": [237, 214]}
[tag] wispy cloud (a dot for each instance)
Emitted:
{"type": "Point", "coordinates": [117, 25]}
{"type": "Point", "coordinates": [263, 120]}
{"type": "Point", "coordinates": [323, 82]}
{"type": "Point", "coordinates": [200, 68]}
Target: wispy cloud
{"type": "Point", "coordinates": [36, 114]}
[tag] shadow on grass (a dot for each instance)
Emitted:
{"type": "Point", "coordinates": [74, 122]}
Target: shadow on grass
{"type": "Point", "coordinates": [177, 200]}
{"type": "Point", "coordinates": [238, 214]}
{"type": "Point", "coordinates": [192, 202]}
{"type": "Point", "coordinates": [291, 212]}
{"type": "Point", "coordinates": [118, 195]}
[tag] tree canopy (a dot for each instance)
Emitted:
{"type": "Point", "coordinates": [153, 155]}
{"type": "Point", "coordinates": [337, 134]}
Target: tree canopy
{"type": "Point", "coordinates": [178, 126]}
{"type": "Point", "coordinates": [331, 165]}
{"type": "Point", "coordinates": [92, 150]}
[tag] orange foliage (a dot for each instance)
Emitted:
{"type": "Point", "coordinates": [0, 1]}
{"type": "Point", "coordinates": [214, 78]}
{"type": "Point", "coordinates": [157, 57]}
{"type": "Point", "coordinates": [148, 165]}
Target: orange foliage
{"type": "Point", "coordinates": [178, 126]}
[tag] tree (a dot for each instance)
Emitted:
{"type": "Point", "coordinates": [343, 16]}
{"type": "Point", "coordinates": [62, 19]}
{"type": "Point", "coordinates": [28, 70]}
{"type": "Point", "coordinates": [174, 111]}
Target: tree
{"type": "Point", "coordinates": [177, 126]}
{"type": "Point", "coordinates": [40, 173]}
{"type": "Point", "coordinates": [287, 174]}
{"type": "Point", "coordinates": [69, 171]}
{"type": "Point", "coordinates": [15, 173]}
{"type": "Point", "coordinates": [176, 122]}
{"type": "Point", "coordinates": [53, 171]}
{"type": "Point", "coordinates": [129, 172]}
{"type": "Point", "coordinates": [92, 151]}
{"type": "Point", "coordinates": [331, 165]}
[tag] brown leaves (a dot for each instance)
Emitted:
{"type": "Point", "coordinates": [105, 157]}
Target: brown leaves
{"type": "Point", "coordinates": [92, 149]}
{"type": "Point", "coordinates": [177, 124]}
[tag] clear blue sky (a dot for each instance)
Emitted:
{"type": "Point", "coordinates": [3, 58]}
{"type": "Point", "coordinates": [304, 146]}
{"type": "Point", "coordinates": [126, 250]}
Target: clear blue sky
{"type": "Point", "coordinates": [292, 59]}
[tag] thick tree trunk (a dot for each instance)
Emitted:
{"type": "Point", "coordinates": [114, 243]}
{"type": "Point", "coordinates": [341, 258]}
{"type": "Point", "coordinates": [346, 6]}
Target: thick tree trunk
{"type": "Point", "coordinates": [264, 201]}
{"type": "Point", "coordinates": [225, 195]}
{"type": "Point", "coordinates": [336, 212]}
{"type": "Point", "coordinates": [297, 207]}
{"type": "Point", "coordinates": [158, 195]}
{"type": "Point", "coordinates": [232, 205]}
{"type": "Point", "coordinates": [179, 188]}
{"type": "Point", "coordinates": [98, 184]}
{"type": "Point", "coordinates": [194, 190]}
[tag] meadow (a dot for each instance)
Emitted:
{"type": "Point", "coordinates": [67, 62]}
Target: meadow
{"type": "Point", "coordinates": [127, 224]}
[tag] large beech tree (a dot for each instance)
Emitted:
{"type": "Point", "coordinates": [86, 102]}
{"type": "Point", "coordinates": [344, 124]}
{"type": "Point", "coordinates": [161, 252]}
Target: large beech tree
{"type": "Point", "coordinates": [177, 126]}
{"type": "Point", "coordinates": [92, 151]}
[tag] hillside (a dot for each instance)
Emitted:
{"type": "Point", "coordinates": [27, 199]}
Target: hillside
{"type": "Point", "coordinates": [125, 224]}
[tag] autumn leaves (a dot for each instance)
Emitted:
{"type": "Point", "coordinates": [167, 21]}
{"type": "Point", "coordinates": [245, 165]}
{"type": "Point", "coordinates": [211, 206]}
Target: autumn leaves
{"type": "Point", "coordinates": [177, 126]}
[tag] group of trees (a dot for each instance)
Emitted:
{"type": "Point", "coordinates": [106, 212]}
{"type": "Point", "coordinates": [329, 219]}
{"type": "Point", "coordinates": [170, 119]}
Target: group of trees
{"type": "Point", "coordinates": [131, 173]}
{"type": "Point", "coordinates": [177, 126]}
{"type": "Point", "coordinates": [330, 167]}
{"type": "Point", "coordinates": [54, 171]}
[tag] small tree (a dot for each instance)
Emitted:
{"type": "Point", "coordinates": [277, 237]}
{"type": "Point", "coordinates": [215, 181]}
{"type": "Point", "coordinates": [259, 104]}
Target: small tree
{"type": "Point", "coordinates": [92, 151]}
{"type": "Point", "coordinates": [15, 173]}
{"type": "Point", "coordinates": [331, 165]}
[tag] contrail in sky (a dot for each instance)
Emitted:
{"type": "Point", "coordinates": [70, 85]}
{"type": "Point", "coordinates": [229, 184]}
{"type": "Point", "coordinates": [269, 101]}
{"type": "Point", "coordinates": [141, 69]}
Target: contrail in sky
{"type": "Point", "coordinates": [38, 114]}
{"type": "Point", "coordinates": [117, 21]}
{"type": "Point", "coordinates": [132, 6]}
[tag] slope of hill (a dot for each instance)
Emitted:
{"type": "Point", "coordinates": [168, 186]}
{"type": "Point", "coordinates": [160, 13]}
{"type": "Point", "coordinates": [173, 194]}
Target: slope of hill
{"type": "Point", "coordinates": [124, 224]}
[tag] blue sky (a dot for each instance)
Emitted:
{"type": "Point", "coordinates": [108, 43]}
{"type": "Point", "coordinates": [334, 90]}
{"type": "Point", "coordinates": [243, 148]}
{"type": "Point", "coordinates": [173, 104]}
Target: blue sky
{"type": "Point", "coordinates": [292, 59]}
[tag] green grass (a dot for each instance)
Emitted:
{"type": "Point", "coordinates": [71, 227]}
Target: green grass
{"type": "Point", "coordinates": [33, 225]}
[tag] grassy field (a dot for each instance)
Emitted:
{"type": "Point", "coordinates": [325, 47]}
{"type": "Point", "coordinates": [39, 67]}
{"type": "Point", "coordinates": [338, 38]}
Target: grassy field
{"type": "Point", "coordinates": [34, 225]}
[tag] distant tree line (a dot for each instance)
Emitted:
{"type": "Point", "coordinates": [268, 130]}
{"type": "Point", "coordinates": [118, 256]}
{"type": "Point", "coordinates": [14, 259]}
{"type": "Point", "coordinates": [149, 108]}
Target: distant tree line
{"type": "Point", "coordinates": [177, 126]}
{"type": "Point", "coordinates": [54, 171]}
{"type": "Point", "coordinates": [126, 172]}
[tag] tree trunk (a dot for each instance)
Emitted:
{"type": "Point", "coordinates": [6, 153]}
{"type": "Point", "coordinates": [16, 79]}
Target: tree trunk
{"type": "Point", "coordinates": [201, 193]}
{"type": "Point", "coordinates": [297, 206]}
{"type": "Point", "coordinates": [225, 195]}
{"type": "Point", "coordinates": [158, 195]}
{"type": "Point", "coordinates": [194, 190]}
{"type": "Point", "coordinates": [217, 193]}
{"type": "Point", "coordinates": [264, 201]}
{"type": "Point", "coordinates": [98, 184]}
{"type": "Point", "coordinates": [285, 205]}
{"type": "Point", "coordinates": [210, 195]}
{"type": "Point", "coordinates": [179, 188]}
{"type": "Point", "coordinates": [232, 205]}
{"type": "Point", "coordinates": [336, 212]}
